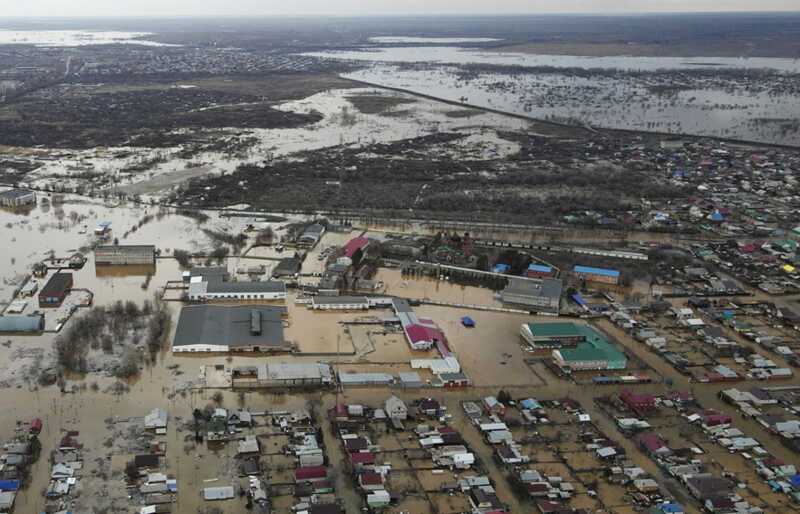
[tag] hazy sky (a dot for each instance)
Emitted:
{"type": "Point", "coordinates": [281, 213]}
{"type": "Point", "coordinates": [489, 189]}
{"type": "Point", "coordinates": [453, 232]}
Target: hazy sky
{"type": "Point", "coordinates": [370, 7]}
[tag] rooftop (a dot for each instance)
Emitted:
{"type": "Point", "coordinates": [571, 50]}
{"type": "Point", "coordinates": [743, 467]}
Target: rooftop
{"type": "Point", "coordinates": [231, 326]}
{"type": "Point", "coordinates": [597, 271]}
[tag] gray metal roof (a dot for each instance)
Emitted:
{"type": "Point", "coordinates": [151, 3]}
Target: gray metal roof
{"type": "Point", "coordinates": [229, 326]}
{"type": "Point", "coordinates": [269, 286]}
{"type": "Point", "coordinates": [218, 493]}
{"type": "Point", "coordinates": [401, 305]}
{"type": "Point", "coordinates": [338, 300]}
{"type": "Point", "coordinates": [548, 287]}
{"type": "Point", "coordinates": [409, 377]}
{"type": "Point", "coordinates": [15, 193]}
{"type": "Point", "coordinates": [28, 323]}
{"type": "Point", "coordinates": [295, 371]}
{"type": "Point", "coordinates": [365, 378]}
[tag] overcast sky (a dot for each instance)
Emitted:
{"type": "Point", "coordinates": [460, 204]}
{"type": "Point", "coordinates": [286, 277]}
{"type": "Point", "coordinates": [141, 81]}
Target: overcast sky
{"type": "Point", "coordinates": [372, 7]}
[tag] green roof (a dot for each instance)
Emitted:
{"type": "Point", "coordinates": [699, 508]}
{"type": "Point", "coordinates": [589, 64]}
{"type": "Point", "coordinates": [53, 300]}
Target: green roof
{"type": "Point", "coordinates": [563, 329]}
{"type": "Point", "coordinates": [595, 348]}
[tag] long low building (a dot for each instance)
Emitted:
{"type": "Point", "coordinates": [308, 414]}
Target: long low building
{"type": "Point", "coordinates": [121, 255]}
{"type": "Point", "coordinates": [340, 303]}
{"type": "Point", "coordinates": [542, 296]}
{"type": "Point", "coordinates": [595, 352]}
{"type": "Point", "coordinates": [282, 375]}
{"type": "Point", "coordinates": [201, 290]}
{"type": "Point", "coordinates": [23, 324]}
{"type": "Point", "coordinates": [17, 197]}
{"type": "Point", "coordinates": [222, 328]}
{"type": "Point", "coordinates": [552, 335]}
{"type": "Point", "coordinates": [602, 275]}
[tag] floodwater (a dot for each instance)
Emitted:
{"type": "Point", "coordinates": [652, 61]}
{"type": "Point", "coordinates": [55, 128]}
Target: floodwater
{"type": "Point", "coordinates": [341, 124]}
{"type": "Point", "coordinates": [489, 352]}
{"type": "Point", "coordinates": [456, 55]}
{"type": "Point", "coordinates": [433, 40]}
{"type": "Point", "coordinates": [67, 38]}
{"type": "Point", "coordinates": [723, 106]}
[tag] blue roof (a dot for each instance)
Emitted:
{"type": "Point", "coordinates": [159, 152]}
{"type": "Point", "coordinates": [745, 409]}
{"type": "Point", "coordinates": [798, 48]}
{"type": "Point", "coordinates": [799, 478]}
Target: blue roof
{"type": "Point", "coordinates": [540, 268]}
{"type": "Point", "coordinates": [671, 508]}
{"type": "Point", "coordinates": [501, 268]}
{"type": "Point", "coordinates": [579, 300]}
{"type": "Point", "coordinates": [467, 321]}
{"type": "Point", "coordinates": [597, 271]}
{"type": "Point", "coordinates": [531, 404]}
{"type": "Point", "coordinates": [716, 216]}
{"type": "Point", "coordinates": [9, 485]}
{"type": "Point", "coordinates": [795, 480]}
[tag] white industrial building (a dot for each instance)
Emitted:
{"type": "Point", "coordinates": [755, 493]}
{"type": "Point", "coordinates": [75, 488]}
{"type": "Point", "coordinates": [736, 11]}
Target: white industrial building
{"type": "Point", "coordinates": [203, 290]}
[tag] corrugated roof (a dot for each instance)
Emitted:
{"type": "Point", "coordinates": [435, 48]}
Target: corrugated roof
{"type": "Point", "coordinates": [27, 323]}
{"type": "Point", "coordinates": [229, 326]}
{"type": "Point", "coordinates": [558, 329]}
{"type": "Point", "coordinates": [597, 271]}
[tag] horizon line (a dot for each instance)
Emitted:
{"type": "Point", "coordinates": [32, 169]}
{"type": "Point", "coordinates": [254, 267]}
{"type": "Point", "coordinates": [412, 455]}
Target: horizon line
{"type": "Point", "coordinates": [605, 13]}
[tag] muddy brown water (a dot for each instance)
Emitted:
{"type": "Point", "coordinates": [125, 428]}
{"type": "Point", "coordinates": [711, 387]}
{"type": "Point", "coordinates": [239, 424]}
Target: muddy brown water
{"type": "Point", "coordinates": [490, 354]}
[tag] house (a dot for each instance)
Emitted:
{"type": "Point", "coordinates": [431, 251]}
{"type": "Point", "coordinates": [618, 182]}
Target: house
{"type": "Point", "coordinates": [395, 408]}
{"type": "Point", "coordinates": [705, 486]}
{"type": "Point", "coordinates": [146, 461]}
{"type": "Point", "coordinates": [638, 403]}
{"type": "Point", "coordinates": [156, 419]}
{"type": "Point", "coordinates": [55, 290]}
{"type": "Point", "coordinates": [361, 460]}
{"type": "Point", "coordinates": [370, 481]}
{"type": "Point", "coordinates": [310, 474]}
{"type": "Point", "coordinates": [595, 353]}
{"type": "Point", "coordinates": [654, 445]}
{"type": "Point", "coordinates": [493, 406]}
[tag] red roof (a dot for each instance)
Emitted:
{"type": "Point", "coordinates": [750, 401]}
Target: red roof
{"type": "Point", "coordinates": [371, 478]}
{"type": "Point", "coordinates": [362, 458]}
{"type": "Point", "coordinates": [36, 425]}
{"type": "Point", "coordinates": [310, 472]}
{"type": "Point", "coordinates": [355, 245]}
{"type": "Point", "coordinates": [717, 419]}
{"type": "Point", "coordinates": [417, 333]}
{"type": "Point", "coordinates": [652, 442]}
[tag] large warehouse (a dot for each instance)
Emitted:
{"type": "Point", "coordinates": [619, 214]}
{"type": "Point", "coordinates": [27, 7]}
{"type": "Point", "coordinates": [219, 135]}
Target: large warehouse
{"type": "Point", "coordinates": [121, 255]}
{"type": "Point", "coordinates": [538, 296]}
{"type": "Point", "coordinates": [17, 198]}
{"type": "Point", "coordinates": [595, 352]}
{"type": "Point", "coordinates": [552, 335]}
{"type": "Point", "coordinates": [222, 328]}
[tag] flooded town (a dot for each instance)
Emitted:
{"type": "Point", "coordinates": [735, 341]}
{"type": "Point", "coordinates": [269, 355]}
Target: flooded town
{"type": "Point", "coordinates": [291, 268]}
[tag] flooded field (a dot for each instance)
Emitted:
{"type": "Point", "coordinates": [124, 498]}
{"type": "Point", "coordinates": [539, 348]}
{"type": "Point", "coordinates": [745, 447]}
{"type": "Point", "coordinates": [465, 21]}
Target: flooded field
{"type": "Point", "coordinates": [722, 97]}
{"type": "Point", "coordinates": [388, 117]}
{"type": "Point", "coordinates": [68, 38]}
